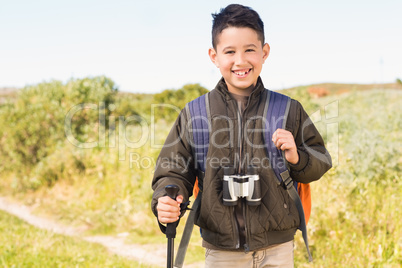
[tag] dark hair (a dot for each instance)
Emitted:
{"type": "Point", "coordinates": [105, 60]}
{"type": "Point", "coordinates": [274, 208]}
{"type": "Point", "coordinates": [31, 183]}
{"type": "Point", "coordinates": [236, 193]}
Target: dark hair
{"type": "Point", "coordinates": [235, 15]}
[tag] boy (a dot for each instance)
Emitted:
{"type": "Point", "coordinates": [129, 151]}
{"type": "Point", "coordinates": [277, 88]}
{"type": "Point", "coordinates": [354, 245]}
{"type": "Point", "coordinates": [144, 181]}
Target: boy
{"type": "Point", "coordinates": [240, 235]}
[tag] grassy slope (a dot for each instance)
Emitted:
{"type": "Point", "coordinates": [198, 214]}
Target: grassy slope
{"type": "Point", "coordinates": [356, 217]}
{"type": "Point", "coordinates": [22, 245]}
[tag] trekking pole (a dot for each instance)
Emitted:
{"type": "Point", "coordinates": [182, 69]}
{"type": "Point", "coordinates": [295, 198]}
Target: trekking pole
{"type": "Point", "coordinates": [171, 191]}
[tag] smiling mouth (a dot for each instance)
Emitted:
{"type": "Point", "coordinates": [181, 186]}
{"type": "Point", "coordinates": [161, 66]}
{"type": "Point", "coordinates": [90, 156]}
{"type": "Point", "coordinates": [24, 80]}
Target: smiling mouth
{"type": "Point", "coordinates": [241, 72]}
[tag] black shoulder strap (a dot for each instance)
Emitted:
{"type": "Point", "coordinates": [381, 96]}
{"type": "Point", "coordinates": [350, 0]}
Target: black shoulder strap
{"type": "Point", "coordinates": [276, 112]}
{"type": "Point", "coordinates": [199, 119]}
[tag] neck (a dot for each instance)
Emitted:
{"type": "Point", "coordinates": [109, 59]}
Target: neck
{"type": "Point", "coordinates": [243, 92]}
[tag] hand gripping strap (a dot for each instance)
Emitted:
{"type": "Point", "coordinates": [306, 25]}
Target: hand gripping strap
{"type": "Point", "coordinates": [275, 115]}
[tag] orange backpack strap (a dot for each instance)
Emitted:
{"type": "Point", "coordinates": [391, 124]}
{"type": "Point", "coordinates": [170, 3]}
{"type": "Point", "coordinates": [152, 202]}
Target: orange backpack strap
{"type": "Point", "coordinates": [304, 192]}
{"type": "Point", "coordinates": [196, 188]}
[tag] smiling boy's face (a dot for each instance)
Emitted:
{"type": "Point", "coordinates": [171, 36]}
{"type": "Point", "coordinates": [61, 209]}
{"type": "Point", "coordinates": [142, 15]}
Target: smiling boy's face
{"type": "Point", "coordinates": [239, 55]}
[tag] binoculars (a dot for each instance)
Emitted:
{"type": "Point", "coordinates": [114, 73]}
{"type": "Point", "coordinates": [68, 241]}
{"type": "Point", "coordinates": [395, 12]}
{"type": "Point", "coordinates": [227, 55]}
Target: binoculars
{"type": "Point", "coordinates": [241, 186]}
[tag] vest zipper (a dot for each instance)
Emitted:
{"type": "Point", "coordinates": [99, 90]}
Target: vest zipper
{"type": "Point", "coordinates": [237, 232]}
{"type": "Point", "coordinates": [240, 146]}
{"type": "Point", "coordinates": [240, 134]}
{"type": "Point", "coordinates": [240, 115]}
{"type": "Point", "coordinates": [246, 245]}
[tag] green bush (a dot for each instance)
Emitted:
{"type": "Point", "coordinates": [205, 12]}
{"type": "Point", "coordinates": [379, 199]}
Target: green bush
{"type": "Point", "coordinates": [130, 104]}
{"type": "Point", "coordinates": [301, 94]}
{"type": "Point", "coordinates": [31, 126]}
{"type": "Point", "coordinates": [169, 102]}
{"type": "Point", "coordinates": [34, 126]}
{"type": "Point", "coordinates": [91, 98]}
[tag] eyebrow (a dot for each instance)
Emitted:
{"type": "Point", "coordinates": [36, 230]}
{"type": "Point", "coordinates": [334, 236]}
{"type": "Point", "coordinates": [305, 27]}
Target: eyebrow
{"type": "Point", "coordinates": [231, 47]}
{"type": "Point", "coordinates": [250, 45]}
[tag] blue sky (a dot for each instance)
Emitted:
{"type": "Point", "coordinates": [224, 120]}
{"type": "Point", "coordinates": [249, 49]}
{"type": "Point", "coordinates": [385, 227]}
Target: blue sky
{"type": "Point", "coordinates": [149, 46]}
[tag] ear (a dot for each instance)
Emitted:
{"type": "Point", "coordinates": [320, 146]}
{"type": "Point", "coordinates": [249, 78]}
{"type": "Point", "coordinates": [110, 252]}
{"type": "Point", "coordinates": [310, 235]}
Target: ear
{"type": "Point", "coordinates": [265, 51]}
{"type": "Point", "coordinates": [212, 56]}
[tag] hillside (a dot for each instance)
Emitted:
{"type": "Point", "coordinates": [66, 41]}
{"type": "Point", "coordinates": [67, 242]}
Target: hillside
{"type": "Point", "coordinates": [315, 90]}
{"type": "Point", "coordinates": [325, 89]}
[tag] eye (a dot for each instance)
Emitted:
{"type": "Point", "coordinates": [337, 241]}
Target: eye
{"type": "Point", "coordinates": [250, 50]}
{"type": "Point", "coordinates": [229, 52]}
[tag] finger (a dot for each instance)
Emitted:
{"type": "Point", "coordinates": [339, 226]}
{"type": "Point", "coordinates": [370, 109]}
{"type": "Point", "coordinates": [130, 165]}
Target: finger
{"type": "Point", "coordinates": [282, 133]}
{"type": "Point", "coordinates": [169, 213]}
{"type": "Point", "coordinates": [167, 219]}
{"type": "Point", "coordinates": [279, 131]}
{"type": "Point", "coordinates": [279, 143]}
{"type": "Point", "coordinates": [179, 199]}
{"type": "Point", "coordinates": [275, 136]}
{"type": "Point", "coordinates": [167, 208]}
{"type": "Point", "coordinates": [167, 200]}
{"type": "Point", "coordinates": [284, 146]}
{"type": "Point", "coordinates": [279, 134]}
{"type": "Point", "coordinates": [168, 216]}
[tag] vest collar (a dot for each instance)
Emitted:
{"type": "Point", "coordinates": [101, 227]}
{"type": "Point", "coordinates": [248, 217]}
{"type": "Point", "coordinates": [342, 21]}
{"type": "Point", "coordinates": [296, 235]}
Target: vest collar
{"type": "Point", "coordinates": [222, 88]}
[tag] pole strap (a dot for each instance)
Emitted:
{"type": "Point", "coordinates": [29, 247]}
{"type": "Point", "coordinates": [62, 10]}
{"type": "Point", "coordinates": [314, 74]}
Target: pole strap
{"type": "Point", "coordinates": [188, 229]}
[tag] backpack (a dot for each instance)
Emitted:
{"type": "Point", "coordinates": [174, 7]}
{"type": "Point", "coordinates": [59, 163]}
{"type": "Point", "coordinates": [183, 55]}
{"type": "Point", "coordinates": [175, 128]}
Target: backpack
{"type": "Point", "coordinates": [277, 108]}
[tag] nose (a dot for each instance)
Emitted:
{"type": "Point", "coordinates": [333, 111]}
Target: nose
{"type": "Point", "coordinates": [240, 58]}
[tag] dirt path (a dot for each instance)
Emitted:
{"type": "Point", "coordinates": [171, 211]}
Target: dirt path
{"type": "Point", "coordinates": [145, 254]}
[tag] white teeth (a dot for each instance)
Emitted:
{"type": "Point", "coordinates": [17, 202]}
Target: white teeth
{"type": "Point", "coordinates": [242, 73]}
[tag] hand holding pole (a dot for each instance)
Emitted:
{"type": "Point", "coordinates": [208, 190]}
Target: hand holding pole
{"type": "Point", "coordinates": [171, 191]}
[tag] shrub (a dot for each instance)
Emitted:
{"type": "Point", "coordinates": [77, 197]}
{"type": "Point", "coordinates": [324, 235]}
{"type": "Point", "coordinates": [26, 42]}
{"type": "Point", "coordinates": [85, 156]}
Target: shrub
{"type": "Point", "coordinates": [33, 127]}
{"type": "Point", "coordinates": [171, 101]}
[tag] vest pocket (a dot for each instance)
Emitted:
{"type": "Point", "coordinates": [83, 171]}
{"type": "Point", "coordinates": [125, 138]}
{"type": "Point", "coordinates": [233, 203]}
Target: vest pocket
{"type": "Point", "coordinates": [212, 211]}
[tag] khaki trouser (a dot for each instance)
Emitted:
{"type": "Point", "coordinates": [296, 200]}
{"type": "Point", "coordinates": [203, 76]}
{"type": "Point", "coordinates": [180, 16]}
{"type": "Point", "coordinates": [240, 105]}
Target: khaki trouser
{"type": "Point", "coordinates": [276, 256]}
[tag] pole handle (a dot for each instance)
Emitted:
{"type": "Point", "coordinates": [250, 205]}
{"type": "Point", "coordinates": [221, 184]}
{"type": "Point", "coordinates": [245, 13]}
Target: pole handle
{"type": "Point", "coordinates": [172, 191]}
